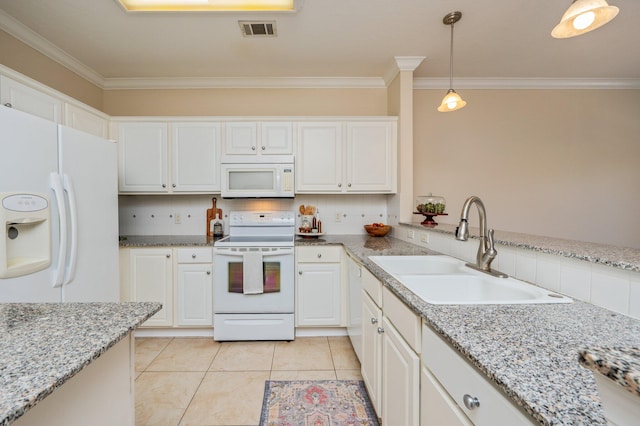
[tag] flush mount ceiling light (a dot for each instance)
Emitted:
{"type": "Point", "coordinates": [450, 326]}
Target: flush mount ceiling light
{"type": "Point", "coordinates": [208, 5]}
{"type": "Point", "coordinates": [584, 16]}
{"type": "Point", "coordinates": [451, 101]}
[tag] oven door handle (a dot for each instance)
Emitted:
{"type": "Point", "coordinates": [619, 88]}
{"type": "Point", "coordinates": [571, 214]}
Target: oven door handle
{"type": "Point", "coordinates": [264, 253]}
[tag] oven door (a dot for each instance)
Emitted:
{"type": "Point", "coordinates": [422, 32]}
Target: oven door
{"type": "Point", "coordinates": [278, 281]}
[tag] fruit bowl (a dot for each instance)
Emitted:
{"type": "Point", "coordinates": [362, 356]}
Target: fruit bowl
{"type": "Point", "coordinates": [377, 229]}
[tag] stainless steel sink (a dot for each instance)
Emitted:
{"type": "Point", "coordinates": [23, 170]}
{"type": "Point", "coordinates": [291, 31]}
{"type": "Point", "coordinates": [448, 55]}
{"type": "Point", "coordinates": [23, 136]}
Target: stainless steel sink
{"type": "Point", "coordinates": [443, 280]}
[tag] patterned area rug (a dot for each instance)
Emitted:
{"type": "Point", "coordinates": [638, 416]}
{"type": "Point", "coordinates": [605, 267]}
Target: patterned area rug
{"type": "Point", "coordinates": [317, 403]}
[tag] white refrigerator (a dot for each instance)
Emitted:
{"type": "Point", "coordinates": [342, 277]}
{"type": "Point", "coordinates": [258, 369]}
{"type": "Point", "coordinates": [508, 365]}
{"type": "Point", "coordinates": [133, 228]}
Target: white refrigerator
{"type": "Point", "coordinates": [75, 175]}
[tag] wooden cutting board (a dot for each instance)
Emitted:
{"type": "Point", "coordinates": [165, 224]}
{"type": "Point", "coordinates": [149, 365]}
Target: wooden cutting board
{"type": "Point", "coordinates": [211, 216]}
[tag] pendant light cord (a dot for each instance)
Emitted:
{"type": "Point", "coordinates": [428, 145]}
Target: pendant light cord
{"type": "Point", "coordinates": [451, 60]}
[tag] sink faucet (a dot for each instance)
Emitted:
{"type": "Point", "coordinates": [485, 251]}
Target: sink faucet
{"type": "Point", "coordinates": [486, 250]}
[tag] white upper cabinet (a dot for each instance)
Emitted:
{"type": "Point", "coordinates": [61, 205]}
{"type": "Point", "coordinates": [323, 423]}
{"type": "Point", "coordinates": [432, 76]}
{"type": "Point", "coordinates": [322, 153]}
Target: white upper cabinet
{"type": "Point", "coordinates": [319, 157]}
{"type": "Point", "coordinates": [371, 156]}
{"type": "Point", "coordinates": [24, 98]}
{"type": "Point", "coordinates": [157, 157]}
{"type": "Point", "coordinates": [347, 157]}
{"type": "Point", "coordinates": [196, 157]}
{"type": "Point", "coordinates": [258, 138]}
{"type": "Point", "coordinates": [143, 157]}
{"type": "Point", "coordinates": [85, 120]}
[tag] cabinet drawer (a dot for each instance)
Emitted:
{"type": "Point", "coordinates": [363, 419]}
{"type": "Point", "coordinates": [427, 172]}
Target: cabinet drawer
{"type": "Point", "coordinates": [459, 378]}
{"type": "Point", "coordinates": [195, 255]}
{"type": "Point", "coordinates": [318, 254]}
{"type": "Point", "coordinates": [372, 286]}
{"type": "Point", "coordinates": [404, 319]}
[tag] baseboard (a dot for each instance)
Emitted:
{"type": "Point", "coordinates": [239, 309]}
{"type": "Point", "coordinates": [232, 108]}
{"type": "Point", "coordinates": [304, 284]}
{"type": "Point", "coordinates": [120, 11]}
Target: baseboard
{"type": "Point", "coordinates": [208, 332]}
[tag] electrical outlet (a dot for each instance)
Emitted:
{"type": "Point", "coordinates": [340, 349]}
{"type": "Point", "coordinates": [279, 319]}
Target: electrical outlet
{"type": "Point", "coordinates": [411, 234]}
{"type": "Point", "coordinates": [178, 218]}
{"type": "Point", "coordinates": [424, 238]}
{"type": "Point", "coordinates": [338, 217]}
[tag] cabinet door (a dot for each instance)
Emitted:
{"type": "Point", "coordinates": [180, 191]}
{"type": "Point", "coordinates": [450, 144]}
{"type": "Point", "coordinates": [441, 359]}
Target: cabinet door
{"type": "Point", "coordinates": [241, 138]}
{"type": "Point", "coordinates": [436, 406]}
{"type": "Point", "coordinates": [371, 156]}
{"type": "Point", "coordinates": [196, 157]}
{"type": "Point", "coordinates": [152, 281]}
{"type": "Point", "coordinates": [319, 157]}
{"type": "Point", "coordinates": [276, 138]}
{"type": "Point", "coordinates": [143, 157]}
{"type": "Point", "coordinates": [195, 286]}
{"type": "Point", "coordinates": [86, 121]}
{"type": "Point", "coordinates": [319, 294]}
{"type": "Point", "coordinates": [24, 98]}
{"type": "Point", "coordinates": [400, 379]}
{"type": "Point", "coordinates": [371, 361]}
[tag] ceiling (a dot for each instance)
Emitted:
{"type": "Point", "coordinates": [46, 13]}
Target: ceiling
{"type": "Point", "coordinates": [331, 39]}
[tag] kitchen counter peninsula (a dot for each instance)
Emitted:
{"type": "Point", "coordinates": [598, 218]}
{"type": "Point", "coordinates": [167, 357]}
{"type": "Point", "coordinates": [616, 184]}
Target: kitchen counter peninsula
{"type": "Point", "coordinates": [47, 348]}
{"type": "Point", "coordinates": [530, 352]}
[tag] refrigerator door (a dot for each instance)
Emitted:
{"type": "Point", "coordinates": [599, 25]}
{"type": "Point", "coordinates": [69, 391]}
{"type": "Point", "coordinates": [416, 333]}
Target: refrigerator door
{"type": "Point", "coordinates": [89, 168]}
{"type": "Point", "coordinates": [29, 156]}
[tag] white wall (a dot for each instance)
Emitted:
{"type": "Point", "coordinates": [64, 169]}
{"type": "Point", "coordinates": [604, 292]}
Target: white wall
{"type": "Point", "coordinates": [156, 214]}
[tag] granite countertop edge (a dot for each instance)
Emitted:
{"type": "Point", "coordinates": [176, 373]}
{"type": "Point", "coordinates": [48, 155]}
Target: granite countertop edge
{"type": "Point", "coordinates": [618, 257]}
{"type": "Point", "coordinates": [619, 364]}
{"type": "Point", "coordinates": [14, 403]}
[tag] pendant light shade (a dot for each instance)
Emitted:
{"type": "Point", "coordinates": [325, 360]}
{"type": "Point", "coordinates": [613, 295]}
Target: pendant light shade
{"type": "Point", "coordinates": [584, 16]}
{"type": "Point", "coordinates": [451, 101]}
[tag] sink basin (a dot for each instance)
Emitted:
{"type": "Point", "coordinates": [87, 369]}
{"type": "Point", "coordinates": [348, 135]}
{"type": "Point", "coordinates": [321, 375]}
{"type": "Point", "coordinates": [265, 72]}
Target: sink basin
{"type": "Point", "coordinates": [443, 280]}
{"type": "Point", "coordinates": [414, 265]}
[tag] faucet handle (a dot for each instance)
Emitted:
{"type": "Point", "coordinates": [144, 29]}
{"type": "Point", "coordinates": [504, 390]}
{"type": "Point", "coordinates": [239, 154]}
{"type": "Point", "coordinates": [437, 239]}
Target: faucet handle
{"type": "Point", "coordinates": [491, 249]}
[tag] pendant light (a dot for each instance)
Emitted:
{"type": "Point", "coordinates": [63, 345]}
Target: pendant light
{"type": "Point", "coordinates": [583, 16]}
{"type": "Point", "coordinates": [451, 101]}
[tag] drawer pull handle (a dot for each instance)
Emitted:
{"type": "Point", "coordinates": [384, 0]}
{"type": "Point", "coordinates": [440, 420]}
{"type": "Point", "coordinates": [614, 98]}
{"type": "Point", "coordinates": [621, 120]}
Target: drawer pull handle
{"type": "Point", "coordinates": [299, 272]}
{"type": "Point", "coordinates": [380, 330]}
{"type": "Point", "coordinates": [471, 402]}
{"type": "Point", "coordinates": [8, 105]}
{"type": "Point", "coordinates": [193, 256]}
{"type": "Point", "coordinates": [208, 272]}
{"type": "Point", "coordinates": [168, 256]}
{"type": "Point", "coordinates": [319, 255]}
{"type": "Point", "coordinates": [374, 320]}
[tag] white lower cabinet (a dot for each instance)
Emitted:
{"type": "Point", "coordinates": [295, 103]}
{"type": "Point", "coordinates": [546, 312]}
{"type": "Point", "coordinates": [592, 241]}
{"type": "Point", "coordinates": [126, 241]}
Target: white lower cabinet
{"type": "Point", "coordinates": [319, 299]}
{"type": "Point", "coordinates": [436, 406]}
{"type": "Point", "coordinates": [151, 280]}
{"type": "Point", "coordinates": [400, 379]}
{"type": "Point", "coordinates": [463, 393]}
{"type": "Point", "coordinates": [194, 286]}
{"type": "Point", "coordinates": [371, 361]}
{"type": "Point", "coordinates": [390, 366]}
{"type": "Point", "coordinates": [179, 278]}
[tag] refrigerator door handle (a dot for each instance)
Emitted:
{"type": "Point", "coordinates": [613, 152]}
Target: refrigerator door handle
{"type": "Point", "coordinates": [70, 272]}
{"type": "Point", "coordinates": [58, 191]}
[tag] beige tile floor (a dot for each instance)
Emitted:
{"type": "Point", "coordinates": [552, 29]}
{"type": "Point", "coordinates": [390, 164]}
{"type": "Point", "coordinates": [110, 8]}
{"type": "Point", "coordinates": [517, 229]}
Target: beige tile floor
{"type": "Point", "coordinates": [196, 381]}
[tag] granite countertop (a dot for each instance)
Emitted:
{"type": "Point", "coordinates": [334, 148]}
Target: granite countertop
{"type": "Point", "coordinates": [621, 365]}
{"type": "Point", "coordinates": [42, 345]}
{"type": "Point", "coordinates": [165, 240]}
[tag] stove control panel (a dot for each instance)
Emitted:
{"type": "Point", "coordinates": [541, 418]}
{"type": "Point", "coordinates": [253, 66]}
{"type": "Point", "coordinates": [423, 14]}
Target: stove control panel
{"type": "Point", "coordinates": [262, 218]}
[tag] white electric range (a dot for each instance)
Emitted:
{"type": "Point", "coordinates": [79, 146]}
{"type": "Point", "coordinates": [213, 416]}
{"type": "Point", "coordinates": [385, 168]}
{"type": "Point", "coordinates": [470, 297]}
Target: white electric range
{"type": "Point", "coordinates": [253, 291]}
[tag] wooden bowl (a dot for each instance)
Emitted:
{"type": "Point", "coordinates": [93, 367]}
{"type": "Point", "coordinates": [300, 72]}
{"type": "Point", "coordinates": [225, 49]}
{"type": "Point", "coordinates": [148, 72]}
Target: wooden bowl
{"type": "Point", "coordinates": [377, 231]}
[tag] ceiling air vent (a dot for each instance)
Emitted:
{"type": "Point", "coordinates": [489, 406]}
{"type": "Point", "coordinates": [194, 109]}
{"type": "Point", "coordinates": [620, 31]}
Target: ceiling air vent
{"type": "Point", "coordinates": [258, 28]}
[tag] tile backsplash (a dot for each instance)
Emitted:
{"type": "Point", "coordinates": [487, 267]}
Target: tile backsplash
{"type": "Point", "coordinates": [186, 214]}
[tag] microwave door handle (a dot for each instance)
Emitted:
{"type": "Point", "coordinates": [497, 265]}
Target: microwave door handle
{"type": "Point", "coordinates": [278, 179]}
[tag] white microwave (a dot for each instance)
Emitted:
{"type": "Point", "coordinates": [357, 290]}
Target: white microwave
{"type": "Point", "coordinates": [257, 180]}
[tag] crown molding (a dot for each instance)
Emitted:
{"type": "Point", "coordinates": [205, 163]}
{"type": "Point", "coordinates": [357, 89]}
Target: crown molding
{"type": "Point", "coordinates": [39, 43]}
{"type": "Point", "coordinates": [245, 83]}
{"type": "Point", "coordinates": [526, 83]}
{"type": "Point", "coordinates": [402, 63]}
